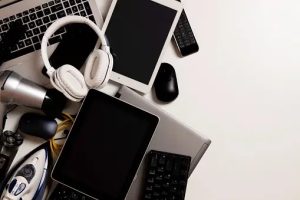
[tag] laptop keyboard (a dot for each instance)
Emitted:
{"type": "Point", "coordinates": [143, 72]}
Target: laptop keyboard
{"type": "Point", "coordinates": [38, 19]}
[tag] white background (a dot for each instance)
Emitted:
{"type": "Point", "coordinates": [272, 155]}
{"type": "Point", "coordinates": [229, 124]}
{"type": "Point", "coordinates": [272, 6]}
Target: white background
{"type": "Point", "coordinates": [242, 90]}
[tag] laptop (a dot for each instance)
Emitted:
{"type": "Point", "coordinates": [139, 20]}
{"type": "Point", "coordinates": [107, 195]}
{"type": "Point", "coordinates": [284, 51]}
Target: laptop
{"type": "Point", "coordinates": [38, 16]}
{"type": "Point", "coordinates": [170, 136]}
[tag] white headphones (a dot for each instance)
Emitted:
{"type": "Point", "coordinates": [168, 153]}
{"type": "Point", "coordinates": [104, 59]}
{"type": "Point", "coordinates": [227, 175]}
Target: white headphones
{"type": "Point", "coordinates": [67, 79]}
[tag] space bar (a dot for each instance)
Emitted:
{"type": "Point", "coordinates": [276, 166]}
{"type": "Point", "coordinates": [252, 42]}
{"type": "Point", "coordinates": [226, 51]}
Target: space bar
{"type": "Point", "coordinates": [19, 53]}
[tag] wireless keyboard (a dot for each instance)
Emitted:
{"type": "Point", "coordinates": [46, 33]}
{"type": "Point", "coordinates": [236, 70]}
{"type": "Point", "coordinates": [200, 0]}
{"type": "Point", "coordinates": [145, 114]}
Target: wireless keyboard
{"type": "Point", "coordinates": [38, 19]}
{"type": "Point", "coordinates": [166, 176]}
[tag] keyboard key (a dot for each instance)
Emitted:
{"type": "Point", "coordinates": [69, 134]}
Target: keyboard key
{"type": "Point", "coordinates": [66, 4]}
{"type": "Point", "coordinates": [162, 160]}
{"type": "Point", "coordinates": [35, 39]}
{"type": "Point", "coordinates": [46, 19]}
{"type": "Point", "coordinates": [72, 2]}
{"type": "Point", "coordinates": [47, 11]}
{"type": "Point", "coordinates": [1, 22]}
{"type": "Point", "coordinates": [75, 9]}
{"type": "Point", "coordinates": [54, 40]}
{"type": "Point", "coordinates": [53, 17]}
{"type": "Point", "coordinates": [11, 18]}
{"type": "Point", "coordinates": [43, 28]}
{"type": "Point", "coordinates": [31, 25]}
{"type": "Point", "coordinates": [69, 11]}
{"type": "Point", "coordinates": [32, 16]}
{"type": "Point", "coordinates": [21, 44]}
{"type": "Point", "coordinates": [87, 8]}
{"type": "Point", "coordinates": [56, 8]}
{"type": "Point", "coordinates": [29, 34]}
{"type": "Point", "coordinates": [4, 27]}
{"type": "Point", "coordinates": [5, 20]}
{"type": "Point", "coordinates": [19, 15]}
{"type": "Point", "coordinates": [45, 5]}
{"type": "Point", "coordinates": [40, 14]}
{"type": "Point", "coordinates": [169, 165]}
{"type": "Point", "coordinates": [92, 18]}
{"type": "Point", "coordinates": [36, 31]}
{"type": "Point", "coordinates": [41, 36]}
{"type": "Point", "coordinates": [83, 13]}
{"type": "Point", "coordinates": [38, 8]}
{"type": "Point", "coordinates": [25, 19]}
{"type": "Point", "coordinates": [57, 1]}
{"type": "Point", "coordinates": [39, 22]}
{"type": "Point", "coordinates": [25, 12]}
{"type": "Point", "coordinates": [60, 31]}
{"type": "Point", "coordinates": [31, 10]}
{"type": "Point", "coordinates": [51, 3]}
{"type": "Point", "coordinates": [28, 42]}
{"type": "Point", "coordinates": [80, 7]}
{"type": "Point", "coordinates": [61, 14]}
{"type": "Point", "coordinates": [37, 46]}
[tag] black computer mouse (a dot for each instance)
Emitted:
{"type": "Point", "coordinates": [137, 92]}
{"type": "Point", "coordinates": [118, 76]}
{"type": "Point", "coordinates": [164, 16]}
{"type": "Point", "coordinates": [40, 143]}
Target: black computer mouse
{"type": "Point", "coordinates": [37, 125]}
{"type": "Point", "coordinates": [165, 84]}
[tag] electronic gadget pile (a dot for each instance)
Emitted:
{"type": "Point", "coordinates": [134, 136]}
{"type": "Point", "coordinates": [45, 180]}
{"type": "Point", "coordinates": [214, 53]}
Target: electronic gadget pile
{"type": "Point", "coordinates": [116, 147]}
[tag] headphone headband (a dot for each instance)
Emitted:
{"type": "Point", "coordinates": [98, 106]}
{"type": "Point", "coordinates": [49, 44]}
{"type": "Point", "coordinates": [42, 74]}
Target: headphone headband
{"type": "Point", "coordinates": [59, 24]}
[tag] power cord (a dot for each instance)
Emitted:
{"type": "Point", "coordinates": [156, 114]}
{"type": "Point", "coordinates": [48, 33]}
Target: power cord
{"type": "Point", "coordinates": [62, 127]}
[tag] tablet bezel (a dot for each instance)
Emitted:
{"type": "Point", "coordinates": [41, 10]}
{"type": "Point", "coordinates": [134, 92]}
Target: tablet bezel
{"type": "Point", "coordinates": [128, 81]}
{"type": "Point", "coordinates": [132, 172]}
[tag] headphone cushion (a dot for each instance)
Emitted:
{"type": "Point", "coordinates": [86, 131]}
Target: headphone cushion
{"type": "Point", "coordinates": [71, 80]}
{"type": "Point", "coordinates": [97, 67]}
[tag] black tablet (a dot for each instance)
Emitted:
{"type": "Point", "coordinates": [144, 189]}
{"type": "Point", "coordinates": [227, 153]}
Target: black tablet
{"type": "Point", "coordinates": [104, 147]}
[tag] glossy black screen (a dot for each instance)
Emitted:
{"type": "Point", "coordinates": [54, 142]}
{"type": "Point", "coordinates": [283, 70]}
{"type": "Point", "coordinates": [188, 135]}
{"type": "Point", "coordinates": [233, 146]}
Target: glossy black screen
{"type": "Point", "coordinates": [137, 32]}
{"type": "Point", "coordinates": [105, 147]}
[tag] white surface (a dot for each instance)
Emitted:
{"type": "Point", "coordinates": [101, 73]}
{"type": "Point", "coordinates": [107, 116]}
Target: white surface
{"type": "Point", "coordinates": [243, 91]}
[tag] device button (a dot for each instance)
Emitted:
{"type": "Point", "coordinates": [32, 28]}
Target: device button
{"type": "Point", "coordinates": [20, 189]}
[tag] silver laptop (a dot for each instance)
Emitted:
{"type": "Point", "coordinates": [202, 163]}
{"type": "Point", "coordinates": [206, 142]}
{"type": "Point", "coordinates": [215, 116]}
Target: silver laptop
{"type": "Point", "coordinates": [38, 15]}
{"type": "Point", "coordinates": [170, 136]}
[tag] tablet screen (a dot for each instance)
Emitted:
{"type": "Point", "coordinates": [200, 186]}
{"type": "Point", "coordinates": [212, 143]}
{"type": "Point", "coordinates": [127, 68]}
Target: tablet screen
{"type": "Point", "coordinates": [137, 32]}
{"type": "Point", "coordinates": [105, 147]}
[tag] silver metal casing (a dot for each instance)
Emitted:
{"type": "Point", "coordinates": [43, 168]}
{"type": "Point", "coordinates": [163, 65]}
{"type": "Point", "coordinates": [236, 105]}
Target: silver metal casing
{"type": "Point", "coordinates": [17, 90]}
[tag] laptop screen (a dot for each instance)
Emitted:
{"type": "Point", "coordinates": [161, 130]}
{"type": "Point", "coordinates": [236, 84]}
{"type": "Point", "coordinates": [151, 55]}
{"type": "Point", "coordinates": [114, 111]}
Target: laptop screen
{"type": "Point", "coordinates": [105, 147]}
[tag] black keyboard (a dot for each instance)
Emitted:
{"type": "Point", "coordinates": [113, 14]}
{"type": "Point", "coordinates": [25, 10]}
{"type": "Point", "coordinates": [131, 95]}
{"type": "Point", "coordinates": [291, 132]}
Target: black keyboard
{"type": "Point", "coordinates": [166, 176]}
{"type": "Point", "coordinates": [38, 19]}
{"type": "Point", "coordinates": [62, 192]}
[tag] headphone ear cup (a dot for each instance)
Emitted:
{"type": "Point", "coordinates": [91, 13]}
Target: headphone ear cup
{"type": "Point", "coordinates": [97, 68]}
{"type": "Point", "coordinates": [69, 79]}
